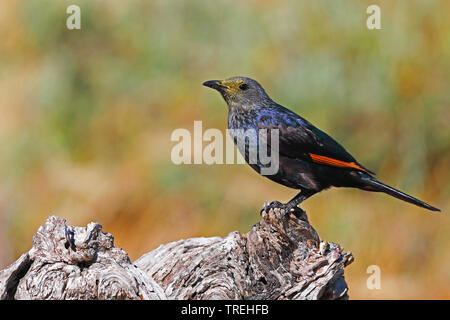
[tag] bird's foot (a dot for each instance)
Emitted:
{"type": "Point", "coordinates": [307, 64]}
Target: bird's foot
{"type": "Point", "coordinates": [291, 208]}
{"type": "Point", "coordinates": [286, 207]}
{"type": "Point", "coordinates": [273, 205]}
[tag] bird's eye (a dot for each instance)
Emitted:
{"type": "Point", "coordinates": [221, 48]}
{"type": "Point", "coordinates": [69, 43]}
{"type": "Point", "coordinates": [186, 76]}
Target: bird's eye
{"type": "Point", "coordinates": [243, 86]}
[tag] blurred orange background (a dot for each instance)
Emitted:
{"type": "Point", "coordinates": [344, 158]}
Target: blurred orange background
{"type": "Point", "coordinates": [87, 115]}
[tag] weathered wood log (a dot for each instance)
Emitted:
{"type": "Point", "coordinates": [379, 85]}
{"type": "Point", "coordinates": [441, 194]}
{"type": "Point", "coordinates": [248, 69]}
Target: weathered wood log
{"type": "Point", "coordinates": [281, 257]}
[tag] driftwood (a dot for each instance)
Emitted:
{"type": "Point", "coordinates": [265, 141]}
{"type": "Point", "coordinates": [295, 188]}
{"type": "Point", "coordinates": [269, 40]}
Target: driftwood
{"type": "Point", "coordinates": [281, 257]}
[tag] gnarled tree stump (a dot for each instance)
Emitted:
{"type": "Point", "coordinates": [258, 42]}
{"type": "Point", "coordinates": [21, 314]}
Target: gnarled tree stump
{"type": "Point", "coordinates": [281, 257]}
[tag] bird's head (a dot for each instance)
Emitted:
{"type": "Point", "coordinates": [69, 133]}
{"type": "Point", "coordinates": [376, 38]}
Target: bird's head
{"type": "Point", "coordinates": [239, 91]}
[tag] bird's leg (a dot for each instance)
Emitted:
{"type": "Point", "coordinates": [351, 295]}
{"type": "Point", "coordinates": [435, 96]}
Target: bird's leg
{"type": "Point", "coordinates": [299, 198]}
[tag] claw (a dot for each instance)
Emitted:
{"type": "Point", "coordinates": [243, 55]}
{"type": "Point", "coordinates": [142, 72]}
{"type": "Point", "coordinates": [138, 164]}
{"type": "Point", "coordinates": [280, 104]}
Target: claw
{"type": "Point", "coordinates": [70, 240]}
{"type": "Point", "coordinates": [264, 207]}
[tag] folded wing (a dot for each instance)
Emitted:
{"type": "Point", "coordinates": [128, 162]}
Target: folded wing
{"type": "Point", "coordinates": [299, 139]}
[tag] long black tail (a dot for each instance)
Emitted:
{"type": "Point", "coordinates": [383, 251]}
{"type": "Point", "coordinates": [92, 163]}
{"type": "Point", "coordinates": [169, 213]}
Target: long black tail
{"type": "Point", "coordinates": [372, 184]}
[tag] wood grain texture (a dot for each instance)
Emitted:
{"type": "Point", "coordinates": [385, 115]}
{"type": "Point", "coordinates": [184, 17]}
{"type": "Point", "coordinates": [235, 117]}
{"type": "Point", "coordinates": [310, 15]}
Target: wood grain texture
{"type": "Point", "coordinates": [281, 257]}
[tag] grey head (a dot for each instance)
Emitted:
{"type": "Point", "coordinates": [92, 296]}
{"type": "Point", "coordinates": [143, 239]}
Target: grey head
{"type": "Point", "coordinates": [240, 91]}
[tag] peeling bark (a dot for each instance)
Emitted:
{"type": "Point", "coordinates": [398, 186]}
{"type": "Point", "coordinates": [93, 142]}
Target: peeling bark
{"type": "Point", "coordinates": [281, 257]}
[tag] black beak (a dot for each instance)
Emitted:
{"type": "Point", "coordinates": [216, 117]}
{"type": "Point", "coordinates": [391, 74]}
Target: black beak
{"type": "Point", "coordinates": [215, 84]}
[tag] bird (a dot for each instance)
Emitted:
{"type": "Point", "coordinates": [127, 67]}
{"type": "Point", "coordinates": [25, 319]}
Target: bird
{"type": "Point", "coordinates": [309, 160]}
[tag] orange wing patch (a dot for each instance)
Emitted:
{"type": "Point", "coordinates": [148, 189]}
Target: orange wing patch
{"type": "Point", "coordinates": [334, 163]}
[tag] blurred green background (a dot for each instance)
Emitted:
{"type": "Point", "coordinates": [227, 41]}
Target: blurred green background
{"type": "Point", "coordinates": [86, 118]}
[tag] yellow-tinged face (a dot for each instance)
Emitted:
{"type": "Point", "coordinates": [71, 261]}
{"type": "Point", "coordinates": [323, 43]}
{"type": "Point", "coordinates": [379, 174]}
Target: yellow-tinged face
{"type": "Point", "coordinates": [239, 91]}
{"type": "Point", "coordinates": [232, 86]}
{"type": "Point", "coordinates": [229, 86]}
